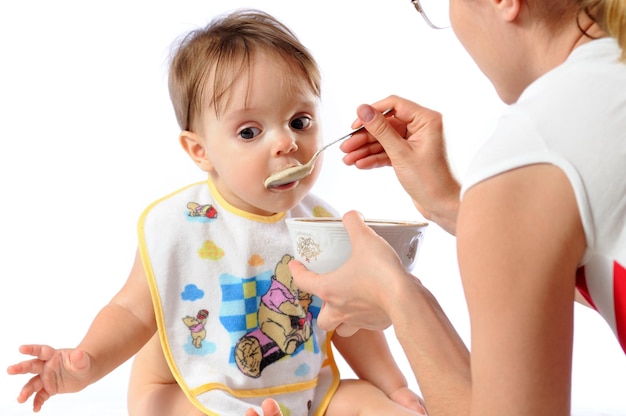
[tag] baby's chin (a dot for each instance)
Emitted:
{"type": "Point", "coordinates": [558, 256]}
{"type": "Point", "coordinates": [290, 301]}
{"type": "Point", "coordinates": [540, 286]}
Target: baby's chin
{"type": "Point", "coordinates": [285, 197]}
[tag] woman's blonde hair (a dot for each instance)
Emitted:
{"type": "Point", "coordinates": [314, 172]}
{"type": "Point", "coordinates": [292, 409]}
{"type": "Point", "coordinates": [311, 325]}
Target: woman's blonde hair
{"type": "Point", "coordinates": [222, 52]}
{"type": "Point", "coordinates": [611, 16]}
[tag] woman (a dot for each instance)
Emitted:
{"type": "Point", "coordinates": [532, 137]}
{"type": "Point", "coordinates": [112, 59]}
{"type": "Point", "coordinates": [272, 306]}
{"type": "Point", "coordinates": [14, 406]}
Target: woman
{"type": "Point", "coordinates": [540, 216]}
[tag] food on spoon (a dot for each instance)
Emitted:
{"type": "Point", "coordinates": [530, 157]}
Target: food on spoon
{"type": "Point", "coordinates": [285, 176]}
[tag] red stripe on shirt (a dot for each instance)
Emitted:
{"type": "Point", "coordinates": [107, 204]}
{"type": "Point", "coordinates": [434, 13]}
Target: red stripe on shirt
{"type": "Point", "coordinates": [581, 284]}
{"type": "Point", "coordinates": [619, 299]}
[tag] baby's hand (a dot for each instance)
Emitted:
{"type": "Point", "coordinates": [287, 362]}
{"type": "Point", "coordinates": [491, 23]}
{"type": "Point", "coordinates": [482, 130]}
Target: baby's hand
{"type": "Point", "coordinates": [407, 398]}
{"type": "Point", "coordinates": [270, 408]}
{"type": "Point", "coordinates": [56, 371]}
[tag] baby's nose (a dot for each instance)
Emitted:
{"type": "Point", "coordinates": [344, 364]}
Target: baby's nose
{"type": "Point", "coordinates": [285, 144]}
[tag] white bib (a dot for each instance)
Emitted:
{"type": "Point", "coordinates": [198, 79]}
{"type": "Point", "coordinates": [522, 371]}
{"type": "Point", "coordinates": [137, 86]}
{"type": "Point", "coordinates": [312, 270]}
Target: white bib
{"type": "Point", "coordinates": [234, 329]}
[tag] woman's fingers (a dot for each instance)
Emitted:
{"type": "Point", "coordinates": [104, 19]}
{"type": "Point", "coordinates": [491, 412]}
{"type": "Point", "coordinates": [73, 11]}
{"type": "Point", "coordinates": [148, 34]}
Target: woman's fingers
{"type": "Point", "coordinates": [346, 330]}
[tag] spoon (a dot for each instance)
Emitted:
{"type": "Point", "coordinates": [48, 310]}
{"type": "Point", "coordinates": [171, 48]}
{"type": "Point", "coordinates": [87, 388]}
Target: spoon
{"type": "Point", "coordinates": [295, 173]}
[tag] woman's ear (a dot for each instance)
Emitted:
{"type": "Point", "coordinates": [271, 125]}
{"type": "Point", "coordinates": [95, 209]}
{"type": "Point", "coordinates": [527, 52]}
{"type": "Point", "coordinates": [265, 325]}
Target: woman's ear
{"type": "Point", "coordinates": [194, 146]}
{"type": "Point", "coordinates": [508, 9]}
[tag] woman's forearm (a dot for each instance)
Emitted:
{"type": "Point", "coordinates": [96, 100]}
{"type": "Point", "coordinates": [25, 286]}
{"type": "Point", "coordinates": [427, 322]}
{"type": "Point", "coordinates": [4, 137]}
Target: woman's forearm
{"type": "Point", "coordinates": [369, 356]}
{"type": "Point", "coordinates": [439, 358]}
{"type": "Point", "coordinates": [445, 212]}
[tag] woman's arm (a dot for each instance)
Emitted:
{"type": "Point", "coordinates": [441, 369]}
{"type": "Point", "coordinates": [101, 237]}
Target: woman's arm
{"type": "Point", "coordinates": [372, 290]}
{"type": "Point", "coordinates": [437, 354]}
{"type": "Point", "coordinates": [520, 240]}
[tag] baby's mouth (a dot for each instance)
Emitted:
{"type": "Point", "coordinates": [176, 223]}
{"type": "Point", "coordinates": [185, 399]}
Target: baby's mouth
{"type": "Point", "coordinates": [291, 174]}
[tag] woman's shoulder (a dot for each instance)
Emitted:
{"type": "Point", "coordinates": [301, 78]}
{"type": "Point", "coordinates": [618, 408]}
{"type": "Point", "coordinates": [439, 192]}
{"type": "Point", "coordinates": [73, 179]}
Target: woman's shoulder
{"type": "Point", "coordinates": [592, 69]}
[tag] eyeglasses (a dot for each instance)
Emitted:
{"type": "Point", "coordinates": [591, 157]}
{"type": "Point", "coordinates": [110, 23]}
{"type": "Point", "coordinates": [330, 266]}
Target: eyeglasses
{"type": "Point", "coordinates": [436, 13]}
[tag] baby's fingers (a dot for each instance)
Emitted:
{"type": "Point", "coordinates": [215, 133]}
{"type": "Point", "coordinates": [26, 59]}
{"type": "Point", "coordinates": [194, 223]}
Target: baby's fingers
{"type": "Point", "coordinates": [33, 385]}
{"type": "Point", "coordinates": [40, 399]}
{"type": "Point", "coordinates": [34, 366]}
{"type": "Point", "coordinates": [43, 352]}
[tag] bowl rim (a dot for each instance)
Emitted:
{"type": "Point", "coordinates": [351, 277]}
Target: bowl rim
{"type": "Point", "coordinates": [369, 221]}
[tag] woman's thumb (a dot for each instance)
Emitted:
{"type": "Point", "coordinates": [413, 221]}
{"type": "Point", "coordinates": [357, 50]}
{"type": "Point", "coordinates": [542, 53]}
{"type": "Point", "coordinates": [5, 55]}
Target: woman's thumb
{"type": "Point", "coordinates": [366, 113]}
{"type": "Point", "coordinates": [354, 223]}
{"type": "Point", "coordinates": [303, 278]}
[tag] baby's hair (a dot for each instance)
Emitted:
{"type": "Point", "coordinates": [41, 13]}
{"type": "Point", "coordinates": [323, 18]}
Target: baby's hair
{"type": "Point", "coordinates": [223, 51]}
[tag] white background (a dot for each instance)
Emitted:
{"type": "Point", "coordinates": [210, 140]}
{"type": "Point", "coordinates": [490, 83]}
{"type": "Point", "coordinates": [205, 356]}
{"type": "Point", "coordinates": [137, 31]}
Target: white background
{"type": "Point", "coordinates": [88, 139]}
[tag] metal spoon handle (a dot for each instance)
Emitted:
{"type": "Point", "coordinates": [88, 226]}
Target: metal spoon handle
{"type": "Point", "coordinates": [321, 149]}
{"type": "Point", "coordinates": [327, 145]}
{"type": "Point", "coordinates": [387, 111]}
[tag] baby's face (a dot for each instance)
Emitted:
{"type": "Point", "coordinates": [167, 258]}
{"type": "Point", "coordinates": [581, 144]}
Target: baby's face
{"type": "Point", "coordinates": [269, 121]}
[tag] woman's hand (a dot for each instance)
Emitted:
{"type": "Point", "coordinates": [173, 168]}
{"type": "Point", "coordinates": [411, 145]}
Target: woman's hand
{"type": "Point", "coordinates": [412, 142]}
{"type": "Point", "coordinates": [56, 371]}
{"type": "Point", "coordinates": [360, 293]}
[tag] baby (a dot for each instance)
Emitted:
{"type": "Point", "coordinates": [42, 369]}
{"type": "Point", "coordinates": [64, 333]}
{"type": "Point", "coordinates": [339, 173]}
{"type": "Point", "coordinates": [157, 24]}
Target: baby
{"type": "Point", "coordinates": [210, 308]}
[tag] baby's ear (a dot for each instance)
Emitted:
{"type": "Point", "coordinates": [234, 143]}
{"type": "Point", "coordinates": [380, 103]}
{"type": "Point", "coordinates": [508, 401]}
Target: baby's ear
{"type": "Point", "coordinates": [194, 146]}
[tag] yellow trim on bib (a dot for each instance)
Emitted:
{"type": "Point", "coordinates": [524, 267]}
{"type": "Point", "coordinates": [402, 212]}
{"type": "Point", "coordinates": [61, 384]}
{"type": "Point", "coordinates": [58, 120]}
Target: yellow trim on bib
{"type": "Point", "coordinates": [192, 394]}
{"type": "Point", "coordinates": [156, 300]}
{"type": "Point", "coordinates": [268, 219]}
{"type": "Point", "coordinates": [264, 392]}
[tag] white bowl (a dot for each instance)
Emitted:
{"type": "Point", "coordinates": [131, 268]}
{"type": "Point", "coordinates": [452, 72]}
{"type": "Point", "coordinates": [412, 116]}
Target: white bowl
{"type": "Point", "coordinates": [323, 245]}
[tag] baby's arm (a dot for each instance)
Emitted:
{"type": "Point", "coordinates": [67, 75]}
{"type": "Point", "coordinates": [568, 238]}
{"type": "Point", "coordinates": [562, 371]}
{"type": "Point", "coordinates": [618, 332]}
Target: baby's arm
{"type": "Point", "coordinates": [119, 330]}
{"type": "Point", "coordinates": [368, 354]}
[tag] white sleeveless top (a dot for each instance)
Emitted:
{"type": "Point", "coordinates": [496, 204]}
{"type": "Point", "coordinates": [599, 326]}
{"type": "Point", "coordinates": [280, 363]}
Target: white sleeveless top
{"type": "Point", "coordinates": [233, 328]}
{"type": "Point", "coordinates": [574, 117]}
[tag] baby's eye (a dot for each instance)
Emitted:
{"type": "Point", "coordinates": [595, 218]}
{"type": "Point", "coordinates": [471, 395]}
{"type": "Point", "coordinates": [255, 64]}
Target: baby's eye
{"type": "Point", "coordinates": [301, 123]}
{"type": "Point", "coordinates": [249, 133]}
